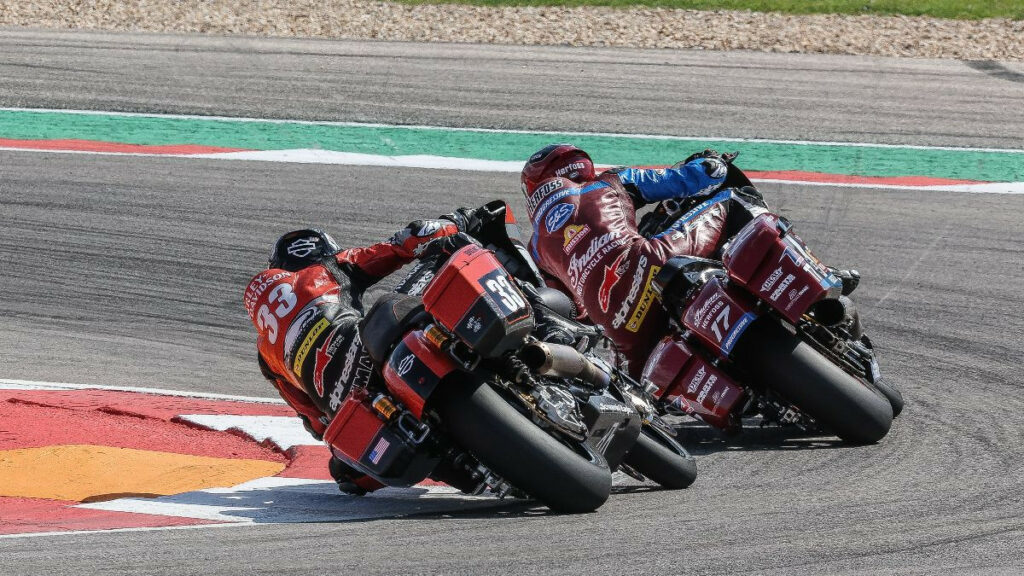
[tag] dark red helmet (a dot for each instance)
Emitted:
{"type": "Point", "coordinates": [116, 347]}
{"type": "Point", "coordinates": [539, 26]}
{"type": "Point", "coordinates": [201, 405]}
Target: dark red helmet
{"type": "Point", "coordinates": [557, 160]}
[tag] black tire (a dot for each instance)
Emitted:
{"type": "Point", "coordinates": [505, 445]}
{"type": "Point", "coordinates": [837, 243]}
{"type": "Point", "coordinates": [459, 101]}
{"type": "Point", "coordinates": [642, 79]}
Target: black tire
{"type": "Point", "coordinates": [505, 441]}
{"type": "Point", "coordinates": [893, 394]}
{"type": "Point", "coordinates": [650, 457]}
{"type": "Point", "coordinates": [777, 359]}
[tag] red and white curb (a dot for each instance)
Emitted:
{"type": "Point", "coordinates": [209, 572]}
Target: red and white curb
{"type": "Point", "coordinates": [38, 414]}
{"type": "Point", "coordinates": [432, 162]}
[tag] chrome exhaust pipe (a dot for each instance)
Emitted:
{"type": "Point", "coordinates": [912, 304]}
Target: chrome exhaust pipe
{"type": "Point", "coordinates": [561, 361]}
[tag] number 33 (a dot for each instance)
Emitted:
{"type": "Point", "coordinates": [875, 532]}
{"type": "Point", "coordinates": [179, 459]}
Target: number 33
{"type": "Point", "coordinates": [283, 295]}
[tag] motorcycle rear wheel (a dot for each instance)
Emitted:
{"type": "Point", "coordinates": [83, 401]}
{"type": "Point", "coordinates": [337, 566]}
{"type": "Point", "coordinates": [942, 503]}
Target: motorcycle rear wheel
{"type": "Point", "coordinates": [660, 463]}
{"type": "Point", "coordinates": [513, 447]}
{"type": "Point", "coordinates": [779, 360]}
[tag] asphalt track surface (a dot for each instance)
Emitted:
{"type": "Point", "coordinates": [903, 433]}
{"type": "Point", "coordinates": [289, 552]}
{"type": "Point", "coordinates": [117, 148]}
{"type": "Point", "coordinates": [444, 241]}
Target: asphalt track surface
{"type": "Point", "coordinates": [129, 271]}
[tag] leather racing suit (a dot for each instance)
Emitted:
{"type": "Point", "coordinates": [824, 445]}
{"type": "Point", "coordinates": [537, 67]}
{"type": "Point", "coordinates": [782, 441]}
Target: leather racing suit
{"type": "Point", "coordinates": [307, 320]}
{"type": "Point", "coordinates": [586, 242]}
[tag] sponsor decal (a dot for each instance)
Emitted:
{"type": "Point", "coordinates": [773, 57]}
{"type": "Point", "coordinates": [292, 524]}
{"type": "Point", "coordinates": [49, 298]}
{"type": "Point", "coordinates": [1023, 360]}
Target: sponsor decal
{"type": "Point", "coordinates": [336, 397]}
{"type": "Point", "coordinates": [558, 216]}
{"type": "Point", "coordinates": [542, 192]}
{"type": "Point", "coordinates": [298, 326]}
{"type": "Point", "coordinates": [421, 283]}
{"type": "Point", "coordinates": [350, 358]}
{"type": "Point", "coordinates": [378, 451]}
{"type": "Point", "coordinates": [782, 287]}
{"type": "Point", "coordinates": [737, 330]}
{"type": "Point", "coordinates": [324, 354]}
{"type": "Point", "coordinates": [707, 388]}
{"type": "Point", "coordinates": [701, 312]}
{"type": "Point", "coordinates": [405, 365]}
{"type": "Point", "coordinates": [474, 324]}
{"type": "Point", "coordinates": [307, 344]}
{"type": "Point", "coordinates": [609, 405]}
{"type": "Point", "coordinates": [682, 404]}
{"type": "Point", "coordinates": [302, 247]}
{"type": "Point", "coordinates": [558, 196]}
{"type": "Point", "coordinates": [612, 274]}
{"type": "Point", "coordinates": [574, 167]}
{"type": "Point", "coordinates": [719, 397]}
{"type": "Point", "coordinates": [707, 189]}
{"type": "Point", "coordinates": [653, 362]}
{"type": "Point", "coordinates": [573, 234]}
{"type": "Point", "coordinates": [696, 380]}
{"type": "Point", "coordinates": [634, 289]}
{"type": "Point", "coordinates": [581, 265]}
{"type": "Point", "coordinates": [715, 168]}
{"type": "Point", "coordinates": [258, 286]}
{"type": "Point", "coordinates": [772, 279]}
{"type": "Point", "coordinates": [427, 228]}
{"type": "Point", "coordinates": [645, 303]}
{"type": "Point", "coordinates": [794, 296]}
{"type": "Point", "coordinates": [790, 253]}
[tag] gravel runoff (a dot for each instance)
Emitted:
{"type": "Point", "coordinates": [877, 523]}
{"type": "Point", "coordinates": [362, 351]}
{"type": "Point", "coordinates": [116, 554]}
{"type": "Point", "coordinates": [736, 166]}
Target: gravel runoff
{"type": "Point", "coordinates": [992, 39]}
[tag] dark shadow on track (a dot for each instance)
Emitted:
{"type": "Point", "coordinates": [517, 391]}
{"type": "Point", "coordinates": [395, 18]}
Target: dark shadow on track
{"type": "Point", "coordinates": [700, 439]}
{"type": "Point", "coordinates": [996, 70]}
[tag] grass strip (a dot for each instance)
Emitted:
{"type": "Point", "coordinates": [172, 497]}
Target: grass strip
{"type": "Point", "coordinates": [952, 9]}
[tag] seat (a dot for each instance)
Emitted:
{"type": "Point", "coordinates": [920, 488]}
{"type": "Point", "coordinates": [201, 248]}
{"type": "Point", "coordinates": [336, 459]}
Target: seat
{"type": "Point", "coordinates": [386, 321]}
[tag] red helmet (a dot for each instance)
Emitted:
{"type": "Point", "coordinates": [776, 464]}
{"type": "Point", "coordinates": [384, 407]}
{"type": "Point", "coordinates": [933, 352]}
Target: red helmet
{"type": "Point", "coordinates": [557, 160]}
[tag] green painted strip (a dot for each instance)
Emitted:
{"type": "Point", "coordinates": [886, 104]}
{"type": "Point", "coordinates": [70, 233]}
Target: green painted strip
{"type": "Point", "coordinates": [986, 166]}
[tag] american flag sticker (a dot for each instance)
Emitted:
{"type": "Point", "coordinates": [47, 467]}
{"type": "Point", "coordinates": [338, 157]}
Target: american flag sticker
{"type": "Point", "coordinates": [378, 451]}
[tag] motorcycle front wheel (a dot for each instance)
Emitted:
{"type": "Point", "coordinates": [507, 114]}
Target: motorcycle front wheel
{"type": "Point", "coordinates": [509, 444]}
{"type": "Point", "coordinates": [655, 459]}
{"type": "Point", "coordinates": [778, 359]}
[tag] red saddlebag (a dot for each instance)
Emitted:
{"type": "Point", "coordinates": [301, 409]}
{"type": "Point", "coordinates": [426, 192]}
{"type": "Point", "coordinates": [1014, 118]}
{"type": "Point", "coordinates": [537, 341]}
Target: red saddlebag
{"type": "Point", "coordinates": [474, 298]}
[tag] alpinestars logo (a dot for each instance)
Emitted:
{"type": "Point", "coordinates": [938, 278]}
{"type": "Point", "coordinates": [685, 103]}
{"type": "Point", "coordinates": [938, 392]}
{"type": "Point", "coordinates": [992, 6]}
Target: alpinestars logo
{"type": "Point", "coordinates": [634, 289]}
{"type": "Point", "coordinates": [303, 247]}
{"type": "Point", "coordinates": [715, 168]}
{"type": "Point", "coordinates": [427, 228]}
{"type": "Point", "coordinates": [612, 274]}
{"type": "Point", "coordinates": [324, 354]}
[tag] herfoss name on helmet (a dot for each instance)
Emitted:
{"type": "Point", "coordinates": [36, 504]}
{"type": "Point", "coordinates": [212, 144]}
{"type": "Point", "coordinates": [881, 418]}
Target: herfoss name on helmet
{"type": "Point", "coordinates": [573, 170]}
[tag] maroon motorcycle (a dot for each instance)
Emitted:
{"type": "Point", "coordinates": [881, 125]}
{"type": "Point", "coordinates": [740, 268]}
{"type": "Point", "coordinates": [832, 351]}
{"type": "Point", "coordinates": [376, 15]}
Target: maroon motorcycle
{"type": "Point", "coordinates": [765, 330]}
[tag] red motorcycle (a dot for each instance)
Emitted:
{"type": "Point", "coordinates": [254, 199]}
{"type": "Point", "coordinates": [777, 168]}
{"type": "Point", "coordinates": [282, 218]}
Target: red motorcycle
{"type": "Point", "coordinates": [485, 385]}
{"type": "Point", "coordinates": [765, 331]}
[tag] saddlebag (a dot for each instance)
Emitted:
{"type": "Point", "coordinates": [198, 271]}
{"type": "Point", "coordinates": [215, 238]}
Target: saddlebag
{"type": "Point", "coordinates": [689, 383]}
{"type": "Point", "coordinates": [362, 439]}
{"type": "Point", "coordinates": [473, 297]}
{"type": "Point", "coordinates": [775, 265]}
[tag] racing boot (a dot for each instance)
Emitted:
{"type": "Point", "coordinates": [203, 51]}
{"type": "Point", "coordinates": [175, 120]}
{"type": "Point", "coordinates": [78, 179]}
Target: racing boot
{"type": "Point", "coordinates": [850, 279]}
{"type": "Point", "coordinates": [349, 479]}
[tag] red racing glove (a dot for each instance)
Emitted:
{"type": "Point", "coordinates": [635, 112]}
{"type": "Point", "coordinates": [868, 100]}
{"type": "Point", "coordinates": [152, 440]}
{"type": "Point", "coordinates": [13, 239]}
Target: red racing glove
{"type": "Point", "coordinates": [411, 241]}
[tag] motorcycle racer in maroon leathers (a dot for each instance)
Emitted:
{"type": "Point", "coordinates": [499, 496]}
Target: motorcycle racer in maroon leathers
{"type": "Point", "coordinates": [306, 307]}
{"type": "Point", "coordinates": [586, 240]}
